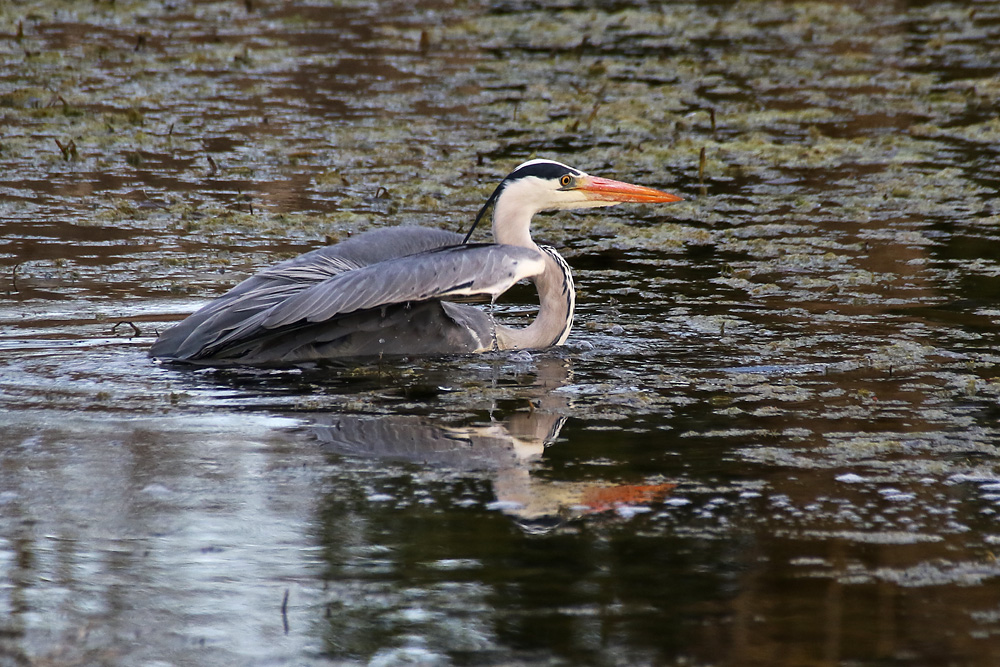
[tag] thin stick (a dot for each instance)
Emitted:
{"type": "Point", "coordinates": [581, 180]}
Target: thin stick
{"type": "Point", "coordinates": [284, 611]}
{"type": "Point", "coordinates": [702, 161]}
{"type": "Point", "coordinates": [136, 331]}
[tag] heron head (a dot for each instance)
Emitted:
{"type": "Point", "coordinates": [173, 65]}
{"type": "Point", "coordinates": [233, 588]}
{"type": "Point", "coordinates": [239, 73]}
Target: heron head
{"type": "Point", "coordinates": [540, 185]}
{"type": "Point", "coordinates": [546, 185]}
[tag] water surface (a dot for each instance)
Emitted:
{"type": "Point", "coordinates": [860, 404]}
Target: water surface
{"type": "Point", "coordinates": [771, 439]}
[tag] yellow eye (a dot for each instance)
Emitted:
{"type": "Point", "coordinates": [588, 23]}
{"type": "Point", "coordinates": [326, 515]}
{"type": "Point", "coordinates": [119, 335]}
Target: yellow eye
{"type": "Point", "coordinates": [565, 180]}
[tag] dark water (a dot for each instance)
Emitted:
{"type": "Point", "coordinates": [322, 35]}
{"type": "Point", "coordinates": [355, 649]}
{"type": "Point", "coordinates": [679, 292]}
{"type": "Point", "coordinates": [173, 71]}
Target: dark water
{"type": "Point", "coordinates": [771, 439]}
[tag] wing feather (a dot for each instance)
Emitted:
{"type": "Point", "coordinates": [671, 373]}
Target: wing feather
{"type": "Point", "coordinates": [439, 274]}
{"type": "Point", "coordinates": [451, 272]}
{"type": "Point", "coordinates": [270, 287]}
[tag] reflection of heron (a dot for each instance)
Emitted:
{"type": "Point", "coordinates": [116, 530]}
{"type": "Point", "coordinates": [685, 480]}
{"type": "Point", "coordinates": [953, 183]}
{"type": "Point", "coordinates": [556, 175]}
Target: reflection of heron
{"type": "Point", "coordinates": [420, 440]}
{"type": "Point", "coordinates": [508, 451]}
{"type": "Point", "coordinates": [391, 291]}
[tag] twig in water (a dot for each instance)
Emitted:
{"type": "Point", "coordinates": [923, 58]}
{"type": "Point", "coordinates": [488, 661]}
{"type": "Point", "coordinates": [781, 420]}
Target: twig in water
{"type": "Point", "coordinates": [68, 151]}
{"type": "Point", "coordinates": [136, 331]}
{"type": "Point", "coordinates": [702, 161]}
{"type": "Point", "coordinates": [284, 611]}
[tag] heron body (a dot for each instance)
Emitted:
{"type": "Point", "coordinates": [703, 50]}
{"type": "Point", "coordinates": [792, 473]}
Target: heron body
{"type": "Point", "coordinates": [393, 291]}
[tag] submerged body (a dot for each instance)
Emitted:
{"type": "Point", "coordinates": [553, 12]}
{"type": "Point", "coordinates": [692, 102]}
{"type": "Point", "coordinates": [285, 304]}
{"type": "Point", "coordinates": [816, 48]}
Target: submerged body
{"type": "Point", "coordinates": [393, 291]}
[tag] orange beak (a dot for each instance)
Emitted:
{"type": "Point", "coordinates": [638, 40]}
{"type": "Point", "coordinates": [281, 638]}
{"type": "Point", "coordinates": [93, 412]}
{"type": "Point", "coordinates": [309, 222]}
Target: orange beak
{"type": "Point", "coordinates": [605, 189]}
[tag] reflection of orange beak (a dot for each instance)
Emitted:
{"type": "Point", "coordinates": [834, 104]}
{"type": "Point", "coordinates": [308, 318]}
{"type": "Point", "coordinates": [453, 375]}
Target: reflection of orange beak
{"type": "Point", "coordinates": [604, 189]}
{"type": "Point", "coordinates": [604, 498]}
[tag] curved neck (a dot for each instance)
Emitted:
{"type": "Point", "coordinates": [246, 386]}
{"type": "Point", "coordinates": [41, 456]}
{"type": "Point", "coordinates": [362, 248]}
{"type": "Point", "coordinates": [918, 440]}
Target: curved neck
{"type": "Point", "coordinates": [516, 204]}
{"type": "Point", "coordinates": [556, 303]}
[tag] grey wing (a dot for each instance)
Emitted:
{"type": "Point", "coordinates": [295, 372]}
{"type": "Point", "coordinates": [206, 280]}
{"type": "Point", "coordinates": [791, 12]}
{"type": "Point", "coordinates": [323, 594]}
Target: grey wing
{"type": "Point", "coordinates": [281, 281]}
{"type": "Point", "coordinates": [376, 246]}
{"type": "Point", "coordinates": [458, 271]}
{"type": "Point", "coordinates": [446, 273]}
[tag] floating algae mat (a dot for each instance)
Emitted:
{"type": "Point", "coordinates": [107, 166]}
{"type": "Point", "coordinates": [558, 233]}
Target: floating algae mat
{"type": "Point", "coordinates": [771, 438]}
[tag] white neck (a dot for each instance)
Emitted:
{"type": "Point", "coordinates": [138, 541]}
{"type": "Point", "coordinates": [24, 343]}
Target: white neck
{"type": "Point", "coordinates": [512, 214]}
{"type": "Point", "coordinates": [556, 303]}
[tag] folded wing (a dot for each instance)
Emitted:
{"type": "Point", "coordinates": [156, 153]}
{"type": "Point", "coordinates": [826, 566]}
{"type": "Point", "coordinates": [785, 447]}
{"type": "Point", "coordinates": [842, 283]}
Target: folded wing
{"type": "Point", "coordinates": [327, 286]}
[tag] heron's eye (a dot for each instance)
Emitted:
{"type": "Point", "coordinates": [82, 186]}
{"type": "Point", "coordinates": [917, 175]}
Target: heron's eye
{"type": "Point", "coordinates": [565, 180]}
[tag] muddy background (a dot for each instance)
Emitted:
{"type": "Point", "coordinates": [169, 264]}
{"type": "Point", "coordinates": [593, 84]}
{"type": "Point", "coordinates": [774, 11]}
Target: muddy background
{"type": "Point", "coordinates": [771, 439]}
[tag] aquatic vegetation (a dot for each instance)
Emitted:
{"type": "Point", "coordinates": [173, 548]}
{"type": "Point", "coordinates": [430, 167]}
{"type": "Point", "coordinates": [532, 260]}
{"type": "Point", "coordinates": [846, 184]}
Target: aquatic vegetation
{"type": "Point", "coordinates": [792, 376]}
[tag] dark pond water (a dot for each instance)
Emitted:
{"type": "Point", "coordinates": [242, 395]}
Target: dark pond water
{"type": "Point", "coordinates": [772, 438]}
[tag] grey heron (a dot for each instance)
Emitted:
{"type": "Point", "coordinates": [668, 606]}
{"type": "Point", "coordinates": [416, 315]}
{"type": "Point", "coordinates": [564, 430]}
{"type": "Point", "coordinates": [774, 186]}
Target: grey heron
{"type": "Point", "coordinates": [393, 291]}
